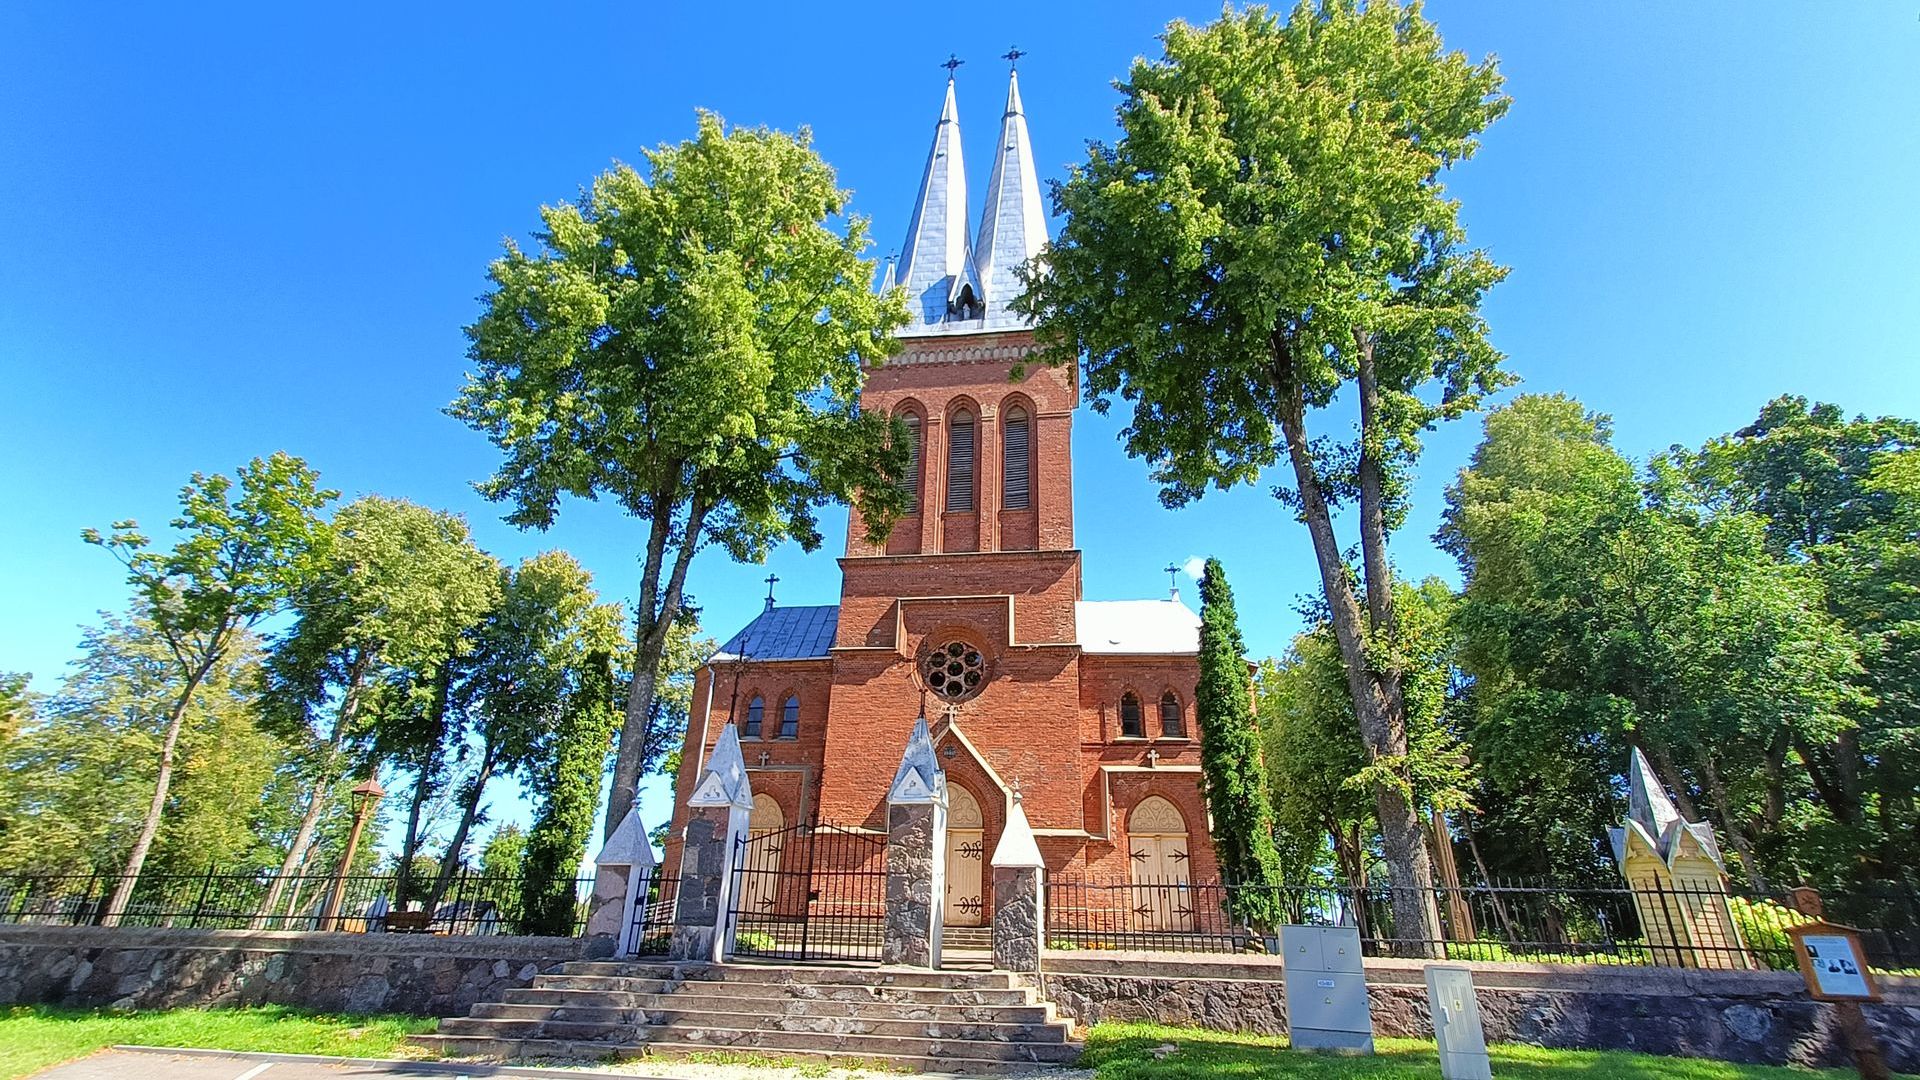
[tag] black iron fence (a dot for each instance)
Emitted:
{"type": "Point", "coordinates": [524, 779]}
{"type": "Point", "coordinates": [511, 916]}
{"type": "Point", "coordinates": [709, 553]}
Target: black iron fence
{"type": "Point", "coordinates": [653, 916]}
{"type": "Point", "coordinates": [470, 904]}
{"type": "Point", "coordinates": [1655, 926]}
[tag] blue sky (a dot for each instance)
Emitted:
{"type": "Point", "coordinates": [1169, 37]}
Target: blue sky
{"type": "Point", "coordinates": [236, 228]}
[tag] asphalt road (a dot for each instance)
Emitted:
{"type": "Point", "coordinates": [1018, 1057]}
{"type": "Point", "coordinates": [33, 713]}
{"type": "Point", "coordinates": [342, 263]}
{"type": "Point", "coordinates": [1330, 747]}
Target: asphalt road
{"type": "Point", "coordinates": [207, 1065]}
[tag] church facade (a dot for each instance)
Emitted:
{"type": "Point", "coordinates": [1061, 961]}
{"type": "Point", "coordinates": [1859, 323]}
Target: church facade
{"type": "Point", "coordinates": [971, 612]}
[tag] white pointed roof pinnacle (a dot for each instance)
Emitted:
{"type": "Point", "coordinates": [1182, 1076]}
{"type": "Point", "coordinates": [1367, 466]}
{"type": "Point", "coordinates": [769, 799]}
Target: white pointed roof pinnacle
{"type": "Point", "coordinates": [723, 782]}
{"type": "Point", "coordinates": [1017, 849]}
{"type": "Point", "coordinates": [628, 846]}
{"type": "Point", "coordinates": [1653, 819]}
{"type": "Point", "coordinates": [1013, 224]}
{"type": "Point", "coordinates": [936, 262]}
{"type": "Point", "coordinates": [919, 779]}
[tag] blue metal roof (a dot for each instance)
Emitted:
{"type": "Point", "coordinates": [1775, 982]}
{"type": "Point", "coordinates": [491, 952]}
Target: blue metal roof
{"type": "Point", "coordinates": [785, 633]}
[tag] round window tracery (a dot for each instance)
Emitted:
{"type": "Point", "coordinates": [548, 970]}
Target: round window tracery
{"type": "Point", "coordinates": [954, 670]}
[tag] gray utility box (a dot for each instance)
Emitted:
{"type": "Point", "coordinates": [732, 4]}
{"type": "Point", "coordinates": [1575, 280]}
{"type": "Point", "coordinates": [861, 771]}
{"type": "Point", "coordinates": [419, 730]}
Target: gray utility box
{"type": "Point", "coordinates": [1326, 989]}
{"type": "Point", "coordinates": [1456, 1024]}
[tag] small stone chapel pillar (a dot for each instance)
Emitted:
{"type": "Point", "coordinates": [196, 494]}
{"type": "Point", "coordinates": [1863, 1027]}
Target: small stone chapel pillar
{"type": "Point", "coordinates": [624, 869]}
{"type": "Point", "coordinates": [717, 816]}
{"type": "Point", "coordinates": [916, 846]}
{"type": "Point", "coordinates": [1019, 896]}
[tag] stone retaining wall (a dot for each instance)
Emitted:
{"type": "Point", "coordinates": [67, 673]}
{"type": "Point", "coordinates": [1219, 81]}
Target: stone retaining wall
{"type": "Point", "coordinates": [1752, 1017]}
{"type": "Point", "coordinates": [140, 968]}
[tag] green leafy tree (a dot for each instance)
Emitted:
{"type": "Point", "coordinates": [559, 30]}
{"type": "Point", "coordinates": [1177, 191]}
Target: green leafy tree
{"type": "Point", "coordinates": [534, 693]}
{"type": "Point", "coordinates": [690, 344]}
{"type": "Point", "coordinates": [567, 779]}
{"type": "Point", "coordinates": [1316, 764]}
{"type": "Point", "coordinates": [362, 672]}
{"type": "Point", "coordinates": [1814, 477]}
{"type": "Point", "coordinates": [74, 795]}
{"type": "Point", "coordinates": [1599, 614]}
{"type": "Point", "coordinates": [1231, 777]}
{"type": "Point", "coordinates": [244, 549]}
{"type": "Point", "coordinates": [1269, 231]}
{"type": "Point", "coordinates": [503, 863]}
{"type": "Point", "coordinates": [16, 704]}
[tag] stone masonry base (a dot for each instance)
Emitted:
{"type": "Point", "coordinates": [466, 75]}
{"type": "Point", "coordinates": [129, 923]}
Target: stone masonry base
{"type": "Point", "coordinates": [1751, 1017]}
{"type": "Point", "coordinates": [134, 968]}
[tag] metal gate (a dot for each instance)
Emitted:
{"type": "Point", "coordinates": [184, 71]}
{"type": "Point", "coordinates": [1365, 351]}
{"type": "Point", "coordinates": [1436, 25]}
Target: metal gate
{"type": "Point", "coordinates": [810, 892]}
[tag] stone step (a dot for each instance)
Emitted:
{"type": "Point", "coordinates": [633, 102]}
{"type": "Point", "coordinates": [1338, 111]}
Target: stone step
{"type": "Point", "coordinates": [602, 982]}
{"type": "Point", "coordinates": [584, 1014]}
{"type": "Point", "coordinates": [849, 992]}
{"type": "Point", "coordinates": [554, 997]}
{"type": "Point", "coordinates": [495, 1049]}
{"type": "Point", "coordinates": [569, 1031]}
{"type": "Point", "coordinates": [872, 1047]}
{"type": "Point", "coordinates": [676, 1021]}
{"type": "Point", "coordinates": [943, 1012]}
{"type": "Point", "coordinates": [789, 973]}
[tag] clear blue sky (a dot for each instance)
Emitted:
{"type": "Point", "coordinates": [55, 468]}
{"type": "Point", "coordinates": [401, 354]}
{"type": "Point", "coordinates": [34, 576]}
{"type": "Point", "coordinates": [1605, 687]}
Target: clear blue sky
{"type": "Point", "coordinates": [237, 228]}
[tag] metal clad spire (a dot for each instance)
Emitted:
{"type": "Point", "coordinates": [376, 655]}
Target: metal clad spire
{"type": "Point", "coordinates": [937, 262]}
{"type": "Point", "coordinates": [1013, 225]}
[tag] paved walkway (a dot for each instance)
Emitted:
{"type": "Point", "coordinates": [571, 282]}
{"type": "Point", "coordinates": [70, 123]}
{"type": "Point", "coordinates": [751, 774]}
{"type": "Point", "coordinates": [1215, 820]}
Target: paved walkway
{"type": "Point", "coordinates": [159, 1064]}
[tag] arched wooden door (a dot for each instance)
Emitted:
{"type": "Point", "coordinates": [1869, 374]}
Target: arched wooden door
{"type": "Point", "coordinates": [763, 886]}
{"type": "Point", "coordinates": [1157, 858]}
{"type": "Point", "coordinates": [966, 858]}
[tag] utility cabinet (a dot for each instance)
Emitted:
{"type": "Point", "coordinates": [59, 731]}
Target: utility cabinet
{"type": "Point", "coordinates": [1326, 989]}
{"type": "Point", "coordinates": [1456, 1024]}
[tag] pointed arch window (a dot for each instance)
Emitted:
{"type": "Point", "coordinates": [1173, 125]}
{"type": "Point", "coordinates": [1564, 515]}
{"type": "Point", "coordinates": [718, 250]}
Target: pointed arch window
{"type": "Point", "coordinates": [1015, 450]}
{"type": "Point", "coordinates": [790, 718]}
{"type": "Point", "coordinates": [911, 481]}
{"type": "Point", "coordinates": [1173, 724]}
{"type": "Point", "coordinates": [960, 461]}
{"type": "Point", "coordinates": [1132, 726]}
{"type": "Point", "coordinates": [756, 709]}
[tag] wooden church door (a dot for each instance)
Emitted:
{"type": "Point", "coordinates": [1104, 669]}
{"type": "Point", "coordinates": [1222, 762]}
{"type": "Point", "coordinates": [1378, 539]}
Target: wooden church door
{"type": "Point", "coordinates": [966, 859]}
{"type": "Point", "coordinates": [763, 859]}
{"type": "Point", "coordinates": [1157, 855]}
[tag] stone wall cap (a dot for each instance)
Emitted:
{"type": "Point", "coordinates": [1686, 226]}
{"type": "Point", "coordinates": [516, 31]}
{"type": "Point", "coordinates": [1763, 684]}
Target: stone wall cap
{"type": "Point", "coordinates": [628, 846]}
{"type": "Point", "coordinates": [919, 780]}
{"type": "Point", "coordinates": [723, 782]}
{"type": "Point", "coordinates": [1017, 850]}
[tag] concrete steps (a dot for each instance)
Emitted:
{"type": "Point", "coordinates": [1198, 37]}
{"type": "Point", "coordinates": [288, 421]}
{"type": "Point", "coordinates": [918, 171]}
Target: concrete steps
{"type": "Point", "coordinates": [967, 1022]}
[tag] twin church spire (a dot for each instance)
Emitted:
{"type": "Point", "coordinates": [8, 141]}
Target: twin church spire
{"type": "Point", "coordinates": [958, 281]}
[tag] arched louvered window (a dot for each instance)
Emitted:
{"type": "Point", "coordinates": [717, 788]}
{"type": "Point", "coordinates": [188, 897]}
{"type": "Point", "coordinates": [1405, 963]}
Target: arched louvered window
{"type": "Point", "coordinates": [756, 709]}
{"type": "Point", "coordinates": [960, 461]}
{"type": "Point", "coordinates": [911, 481]}
{"type": "Point", "coordinates": [1015, 450]}
{"type": "Point", "coordinates": [790, 718]}
{"type": "Point", "coordinates": [1172, 724]}
{"type": "Point", "coordinates": [1131, 724]}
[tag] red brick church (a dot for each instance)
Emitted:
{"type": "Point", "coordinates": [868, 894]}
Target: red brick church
{"type": "Point", "coordinates": [973, 610]}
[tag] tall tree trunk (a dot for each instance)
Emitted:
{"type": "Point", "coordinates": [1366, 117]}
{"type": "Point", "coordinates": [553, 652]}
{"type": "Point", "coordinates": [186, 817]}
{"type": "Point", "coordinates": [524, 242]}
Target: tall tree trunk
{"type": "Point", "coordinates": [423, 783]}
{"type": "Point", "coordinates": [156, 807]}
{"type": "Point", "coordinates": [1376, 700]}
{"type": "Point", "coordinates": [656, 616]}
{"type": "Point", "coordinates": [450, 865]}
{"type": "Point", "coordinates": [326, 775]}
{"type": "Point", "coordinates": [1736, 835]}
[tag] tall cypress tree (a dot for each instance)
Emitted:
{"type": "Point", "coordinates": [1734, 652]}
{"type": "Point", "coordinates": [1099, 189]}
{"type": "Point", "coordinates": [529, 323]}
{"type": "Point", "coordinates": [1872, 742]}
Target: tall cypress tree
{"type": "Point", "coordinates": [571, 785]}
{"type": "Point", "coordinates": [1232, 779]}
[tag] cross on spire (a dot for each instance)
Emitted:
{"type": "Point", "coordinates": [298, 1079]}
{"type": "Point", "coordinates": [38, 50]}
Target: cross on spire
{"type": "Point", "coordinates": [953, 62]}
{"type": "Point", "coordinates": [1012, 56]}
{"type": "Point", "coordinates": [1173, 580]}
{"type": "Point", "coordinates": [772, 580]}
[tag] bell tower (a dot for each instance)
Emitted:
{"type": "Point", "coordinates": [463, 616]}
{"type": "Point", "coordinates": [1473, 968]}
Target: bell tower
{"type": "Point", "coordinates": [991, 467]}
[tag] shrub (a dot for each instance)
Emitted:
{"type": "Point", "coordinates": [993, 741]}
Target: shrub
{"type": "Point", "coordinates": [1763, 926]}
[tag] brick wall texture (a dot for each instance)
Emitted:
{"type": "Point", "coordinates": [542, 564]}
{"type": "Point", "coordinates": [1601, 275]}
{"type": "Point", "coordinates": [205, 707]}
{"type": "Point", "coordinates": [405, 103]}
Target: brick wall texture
{"type": "Point", "coordinates": [1002, 581]}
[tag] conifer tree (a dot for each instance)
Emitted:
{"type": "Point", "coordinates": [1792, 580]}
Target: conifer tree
{"type": "Point", "coordinates": [1232, 779]}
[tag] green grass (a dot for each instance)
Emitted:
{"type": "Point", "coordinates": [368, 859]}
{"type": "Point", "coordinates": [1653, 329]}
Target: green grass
{"type": "Point", "coordinates": [35, 1037]}
{"type": "Point", "coordinates": [1126, 1052]}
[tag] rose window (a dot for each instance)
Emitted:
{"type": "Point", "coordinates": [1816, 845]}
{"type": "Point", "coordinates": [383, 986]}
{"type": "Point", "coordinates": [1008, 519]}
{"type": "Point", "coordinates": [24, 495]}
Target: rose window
{"type": "Point", "coordinates": [954, 670]}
